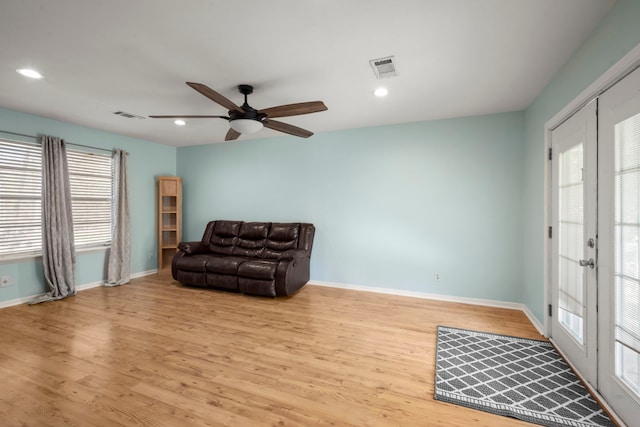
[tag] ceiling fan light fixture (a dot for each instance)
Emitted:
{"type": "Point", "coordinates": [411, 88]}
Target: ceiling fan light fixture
{"type": "Point", "coordinates": [245, 125]}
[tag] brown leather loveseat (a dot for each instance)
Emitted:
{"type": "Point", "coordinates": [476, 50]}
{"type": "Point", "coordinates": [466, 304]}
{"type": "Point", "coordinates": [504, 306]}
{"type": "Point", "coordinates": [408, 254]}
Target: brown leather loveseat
{"type": "Point", "coordinates": [258, 258]}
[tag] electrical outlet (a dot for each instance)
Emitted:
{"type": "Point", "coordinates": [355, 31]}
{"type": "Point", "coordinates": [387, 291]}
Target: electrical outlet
{"type": "Point", "coordinates": [437, 276]}
{"type": "Point", "coordinates": [5, 281]}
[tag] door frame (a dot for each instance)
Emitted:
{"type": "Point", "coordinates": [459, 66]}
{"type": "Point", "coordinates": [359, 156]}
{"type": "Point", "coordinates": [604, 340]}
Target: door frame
{"type": "Point", "coordinates": [617, 72]}
{"type": "Point", "coordinates": [622, 68]}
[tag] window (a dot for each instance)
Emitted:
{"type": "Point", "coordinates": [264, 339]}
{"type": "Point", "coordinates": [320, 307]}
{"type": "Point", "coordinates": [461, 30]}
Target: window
{"type": "Point", "coordinates": [91, 196]}
{"type": "Point", "coordinates": [20, 193]}
{"type": "Point", "coordinates": [90, 177]}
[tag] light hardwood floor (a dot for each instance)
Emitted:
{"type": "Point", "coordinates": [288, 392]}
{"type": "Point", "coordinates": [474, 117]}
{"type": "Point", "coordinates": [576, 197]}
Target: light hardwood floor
{"type": "Point", "coordinates": [156, 353]}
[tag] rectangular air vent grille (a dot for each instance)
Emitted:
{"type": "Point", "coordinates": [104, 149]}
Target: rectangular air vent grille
{"type": "Point", "coordinates": [128, 115]}
{"type": "Point", "coordinates": [384, 67]}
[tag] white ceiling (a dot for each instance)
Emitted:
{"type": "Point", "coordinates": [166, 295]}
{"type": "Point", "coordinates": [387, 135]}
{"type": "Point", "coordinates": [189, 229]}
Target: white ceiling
{"type": "Point", "coordinates": [455, 58]}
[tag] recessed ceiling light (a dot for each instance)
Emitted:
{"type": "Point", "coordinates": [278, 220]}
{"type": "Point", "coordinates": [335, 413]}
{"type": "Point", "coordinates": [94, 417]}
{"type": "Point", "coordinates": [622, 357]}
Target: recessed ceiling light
{"type": "Point", "coordinates": [380, 92]}
{"type": "Point", "coordinates": [29, 72]}
{"type": "Point", "coordinates": [180, 122]}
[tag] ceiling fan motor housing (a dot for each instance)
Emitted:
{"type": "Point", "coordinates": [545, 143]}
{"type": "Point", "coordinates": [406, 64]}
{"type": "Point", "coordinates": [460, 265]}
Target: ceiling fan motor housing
{"type": "Point", "coordinates": [248, 113]}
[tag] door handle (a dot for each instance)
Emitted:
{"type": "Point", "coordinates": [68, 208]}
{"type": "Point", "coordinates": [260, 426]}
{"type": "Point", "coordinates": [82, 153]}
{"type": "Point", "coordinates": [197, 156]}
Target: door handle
{"type": "Point", "coordinates": [584, 263]}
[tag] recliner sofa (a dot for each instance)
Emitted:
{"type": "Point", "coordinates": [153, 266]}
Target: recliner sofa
{"type": "Point", "coordinates": [257, 258]}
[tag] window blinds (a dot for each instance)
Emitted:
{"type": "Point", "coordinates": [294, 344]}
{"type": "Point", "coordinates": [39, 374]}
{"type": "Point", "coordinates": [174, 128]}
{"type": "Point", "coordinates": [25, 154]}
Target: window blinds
{"type": "Point", "coordinates": [20, 194]}
{"type": "Point", "coordinates": [90, 177]}
{"type": "Point", "coordinates": [571, 220]}
{"type": "Point", "coordinates": [627, 233]}
{"type": "Point", "coordinates": [91, 195]}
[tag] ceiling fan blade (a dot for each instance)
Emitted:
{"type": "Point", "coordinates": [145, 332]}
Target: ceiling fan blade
{"type": "Point", "coordinates": [215, 96]}
{"type": "Point", "coordinates": [232, 135]}
{"type": "Point", "coordinates": [189, 117]}
{"type": "Point", "coordinates": [295, 109]}
{"type": "Point", "coordinates": [287, 128]}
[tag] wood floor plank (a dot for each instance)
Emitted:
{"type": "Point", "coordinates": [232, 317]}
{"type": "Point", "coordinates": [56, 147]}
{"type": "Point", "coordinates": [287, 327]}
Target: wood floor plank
{"type": "Point", "coordinates": [156, 353]}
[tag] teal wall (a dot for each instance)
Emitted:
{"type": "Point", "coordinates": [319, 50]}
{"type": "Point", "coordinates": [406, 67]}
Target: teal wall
{"type": "Point", "coordinates": [392, 205]}
{"type": "Point", "coordinates": [146, 160]}
{"type": "Point", "coordinates": [618, 33]}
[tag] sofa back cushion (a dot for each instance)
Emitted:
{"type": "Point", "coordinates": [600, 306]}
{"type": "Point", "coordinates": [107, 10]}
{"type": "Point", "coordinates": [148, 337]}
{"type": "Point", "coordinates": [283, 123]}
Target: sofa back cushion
{"type": "Point", "coordinates": [282, 237]}
{"type": "Point", "coordinates": [251, 239]}
{"type": "Point", "coordinates": [257, 239]}
{"type": "Point", "coordinates": [223, 238]}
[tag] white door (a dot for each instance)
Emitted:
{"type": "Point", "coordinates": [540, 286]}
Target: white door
{"type": "Point", "coordinates": [573, 268]}
{"type": "Point", "coordinates": [619, 264]}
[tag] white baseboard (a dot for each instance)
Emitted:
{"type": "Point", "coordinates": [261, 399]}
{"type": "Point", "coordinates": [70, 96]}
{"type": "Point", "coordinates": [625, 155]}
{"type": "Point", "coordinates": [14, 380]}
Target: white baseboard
{"type": "Point", "coordinates": [533, 319]}
{"type": "Point", "coordinates": [79, 288]}
{"type": "Point", "coordinates": [144, 273]}
{"type": "Point", "coordinates": [88, 286]}
{"type": "Point", "coordinates": [18, 301]}
{"type": "Point", "coordinates": [437, 297]}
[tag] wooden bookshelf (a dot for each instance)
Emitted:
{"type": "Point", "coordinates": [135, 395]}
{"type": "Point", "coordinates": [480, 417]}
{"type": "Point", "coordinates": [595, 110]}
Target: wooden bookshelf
{"type": "Point", "coordinates": [169, 223]}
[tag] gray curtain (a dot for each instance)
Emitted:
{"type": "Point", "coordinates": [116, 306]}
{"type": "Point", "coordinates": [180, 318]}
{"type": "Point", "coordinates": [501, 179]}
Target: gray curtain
{"type": "Point", "coordinates": [58, 250]}
{"type": "Point", "coordinates": [119, 264]}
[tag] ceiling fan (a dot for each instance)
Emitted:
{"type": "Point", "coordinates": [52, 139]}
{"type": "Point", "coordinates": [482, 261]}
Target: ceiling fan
{"type": "Point", "coordinates": [246, 119]}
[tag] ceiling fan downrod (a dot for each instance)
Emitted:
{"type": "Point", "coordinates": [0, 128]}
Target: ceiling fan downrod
{"type": "Point", "coordinates": [245, 90]}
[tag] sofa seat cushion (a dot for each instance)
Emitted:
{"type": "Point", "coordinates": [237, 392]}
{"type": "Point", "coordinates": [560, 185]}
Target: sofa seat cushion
{"type": "Point", "coordinates": [258, 269]}
{"type": "Point", "coordinates": [224, 265]}
{"type": "Point", "coordinates": [222, 281]}
{"type": "Point", "coordinates": [192, 278]}
{"type": "Point", "coordinates": [266, 288]}
{"type": "Point", "coordinates": [194, 263]}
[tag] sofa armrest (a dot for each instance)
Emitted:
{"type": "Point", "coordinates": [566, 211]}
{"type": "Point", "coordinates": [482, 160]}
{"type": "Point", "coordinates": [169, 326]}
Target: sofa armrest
{"type": "Point", "coordinates": [293, 254]}
{"type": "Point", "coordinates": [193, 248]}
{"type": "Point", "coordinates": [292, 273]}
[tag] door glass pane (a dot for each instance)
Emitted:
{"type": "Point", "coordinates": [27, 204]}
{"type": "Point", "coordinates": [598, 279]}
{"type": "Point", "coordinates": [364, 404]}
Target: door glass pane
{"type": "Point", "coordinates": [626, 241]}
{"type": "Point", "coordinates": [570, 241]}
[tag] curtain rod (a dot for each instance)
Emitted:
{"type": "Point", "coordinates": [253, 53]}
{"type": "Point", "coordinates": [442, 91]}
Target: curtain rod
{"type": "Point", "coordinates": [70, 143]}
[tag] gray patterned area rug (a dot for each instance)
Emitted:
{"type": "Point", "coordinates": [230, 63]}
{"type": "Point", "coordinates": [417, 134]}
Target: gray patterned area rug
{"type": "Point", "coordinates": [514, 377]}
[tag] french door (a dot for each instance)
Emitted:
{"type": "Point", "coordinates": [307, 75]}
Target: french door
{"type": "Point", "coordinates": [619, 267]}
{"type": "Point", "coordinates": [595, 249]}
{"type": "Point", "coordinates": [574, 290]}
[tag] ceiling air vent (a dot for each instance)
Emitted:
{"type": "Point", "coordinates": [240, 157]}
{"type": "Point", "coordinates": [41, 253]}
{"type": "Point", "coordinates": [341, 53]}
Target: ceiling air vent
{"type": "Point", "coordinates": [384, 67]}
{"type": "Point", "coordinates": [128, 115]}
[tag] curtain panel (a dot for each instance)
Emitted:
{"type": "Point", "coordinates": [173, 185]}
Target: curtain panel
{"type": "Point", "coordinates": [119, 263]}
{"type": "Point", "coordinates": [58, 250]}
